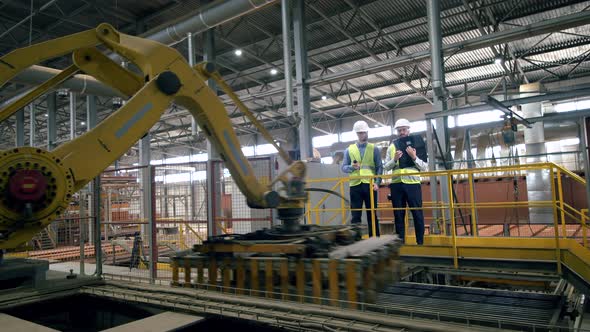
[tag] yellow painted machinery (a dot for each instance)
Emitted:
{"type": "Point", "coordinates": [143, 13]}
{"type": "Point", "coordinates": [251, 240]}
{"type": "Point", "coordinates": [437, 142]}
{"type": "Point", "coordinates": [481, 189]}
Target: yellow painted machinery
{"type": "Point", "coordinates": [37, 185]}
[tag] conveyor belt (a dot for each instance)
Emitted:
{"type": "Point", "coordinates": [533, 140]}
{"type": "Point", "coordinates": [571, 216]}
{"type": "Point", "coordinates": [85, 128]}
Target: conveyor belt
{"type": "Point", "coordinates": [291, 315]}
{"type": "Point", "coordinates": [479, 306]}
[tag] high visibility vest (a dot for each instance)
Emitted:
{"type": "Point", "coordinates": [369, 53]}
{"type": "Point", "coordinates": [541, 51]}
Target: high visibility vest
{"type": "Point", "coordinates": [404, 175]}
{"type": "Point", "coordinates": [367, 163]}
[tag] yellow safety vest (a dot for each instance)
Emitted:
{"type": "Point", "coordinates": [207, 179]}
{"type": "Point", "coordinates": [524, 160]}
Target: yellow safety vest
{"type": "Point", "coordinates": [403, 174]}
{"type": "Point", "coordinates": [367, 163]}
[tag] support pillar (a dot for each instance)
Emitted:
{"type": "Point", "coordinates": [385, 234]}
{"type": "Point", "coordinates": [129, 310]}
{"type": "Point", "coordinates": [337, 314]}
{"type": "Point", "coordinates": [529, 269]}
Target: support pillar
{"type": "Point", "coordinates": [537, 182]}
{"type": "Point", "coordinates": [302, 75]}
{"type": "Point", "coordinates": [20, 128]}
{"type": "Point", "coordinates": [32, 125]}
{"type": "Point", "coordinates": [51, 125]}
{"type": "Point", "coordinates": [148, 230]}
{"type": "Point", "coordinates": [72, 115]}
{"type": "Point", "coordinates": [191, 61]}
{"type": "Point", "coordinates": [439, 104]}
{"type": "Point", "coordinates": [584, 142]}
{"type": "Point", "coordinates": [83, 215]}
{"type": "Point", "coordinates": [94, 233]}
{"type": "Point", "coordinates": [213, 169]}
{"type": "Point", "coordinates": [287, 20]}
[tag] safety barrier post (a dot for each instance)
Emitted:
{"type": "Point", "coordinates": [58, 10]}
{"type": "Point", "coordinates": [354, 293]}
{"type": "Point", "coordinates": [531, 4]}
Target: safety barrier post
{"type": "Point", "coordinates": [555, 221]}
{"type": "Point", "coordinates": [317, 215]}
{"type": "Point", "coordinates": [583, 220]}
{"type": "Point", "coordinates": [308, 213]}
{"type": "Point", "coordinates": [373, 207]}
{"type": "Point", "coordinates": [472, 199]}
{"type": "Point", "coordinates": [561, 207]}
{"type": "Point", "coordinates": [452, 214]}
{"type": "Point", "coordinates": [342, 206]}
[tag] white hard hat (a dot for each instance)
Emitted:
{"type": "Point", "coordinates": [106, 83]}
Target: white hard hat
{"type": "Point", "coordinates": [360, 126]}
{"type": "Point", "coordinates": [401, 123]}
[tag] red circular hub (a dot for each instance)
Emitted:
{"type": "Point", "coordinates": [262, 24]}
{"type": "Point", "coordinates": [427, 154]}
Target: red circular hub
{"type": "Point", "coordinates": [27, 185]}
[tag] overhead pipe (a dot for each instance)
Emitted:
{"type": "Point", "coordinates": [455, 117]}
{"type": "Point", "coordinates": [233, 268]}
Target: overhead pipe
{"type": "Point", "coordinates": [286, 19]}
{"type": "Point", "coordinates": [435, 39]}
{"type": "Point", "coordinates": [33, 75]}
{"type": "Point", "coordinates": [206, 18]}
{"type": "Point", "coordinates": [197, 21]}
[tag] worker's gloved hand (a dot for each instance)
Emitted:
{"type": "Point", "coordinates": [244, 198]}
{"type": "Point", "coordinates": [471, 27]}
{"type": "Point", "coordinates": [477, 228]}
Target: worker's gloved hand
{"type": "Point", "coordinates": [355, 165]}
{"type": "Point", "coordinates": [375, 187]}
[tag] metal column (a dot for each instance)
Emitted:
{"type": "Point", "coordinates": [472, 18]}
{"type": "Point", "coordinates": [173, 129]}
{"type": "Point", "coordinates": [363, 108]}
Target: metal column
{"type": "Point", "coordinates": [191, 61]}
{"type": "Point", "coordinates": [302, 75]}
{"type": "Point", "coordinates": [94, 233]}
{"type": "Point", "coordinates": [213, 172]}
{"type": "Point", "coordinates": [191, 56]}
{"type": "Point", "coordinates": [51, 114]}
{"type": "Point", "coordinates": [20, 128]}
{"type": "Point", "coordinates": [72, 115]}
{"type": "Point", "coordinates": [91, 122]}
{"type": "Point", "coordinates": [537, 181]}
{"type": "Point", "coordinates": [584, 141]}
{"type": "Point", "coordinates": [286, 19]}
{"type": "Point", "coordinates": [97, 233]}
{"type": "Point", "coordinates": [439, 102]}
{"type": "Point", "coordinates": [91, 119]}
{"type": "Point", "coordinates": [148, 230]}
{"type": "Point", "coordinates": [32, 125]}
{"type": "Point", "coordinates": [82, 206]}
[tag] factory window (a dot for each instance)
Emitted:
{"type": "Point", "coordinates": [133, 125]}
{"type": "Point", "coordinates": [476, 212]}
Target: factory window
{"type": "Point", "coordinates": [325, 140]}
{"type": "Point", "coordinates": [418, 126]}
{"type": "Point", "coordinates": [182, 177]}
{"type": "Point", "coordinates": [479, 117]}
{"type": "Point", "coordinates": [178, 160]}
{"type": "Point", "coordinates": [451, 122]}
{"type": "Point", "coordinates": [199, 157]}
{"type": "Point", "coordinates": [379, 132]}
{"type": "Point", "coordinates": [572, 106]}
{"type": "Point", "coordinates": [248, 151]}
{"type": "Point", "coordinates": [348, 136]}
{"type": "Point", "coordinates": [265, 149]}
{"type": "Point", "coordinates": [569, 141]}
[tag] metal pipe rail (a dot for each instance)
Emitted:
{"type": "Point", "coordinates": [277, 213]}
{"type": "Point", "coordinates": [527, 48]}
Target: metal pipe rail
{"type": "Point", "coordinates": [367, 317]}
{"type": "Point", "coordinates": [562, 246]}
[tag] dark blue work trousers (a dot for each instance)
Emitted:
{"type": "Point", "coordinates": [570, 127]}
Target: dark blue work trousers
{"type": "Point", "coordinates": [403, 194]}
{"type": "Point", "coordinates": [360, 194]}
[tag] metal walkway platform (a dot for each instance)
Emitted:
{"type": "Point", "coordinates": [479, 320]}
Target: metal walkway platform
{"type": "Point", "coordinates": [483, 307]}
{"type": "Point", "coordinates": [549, 257]}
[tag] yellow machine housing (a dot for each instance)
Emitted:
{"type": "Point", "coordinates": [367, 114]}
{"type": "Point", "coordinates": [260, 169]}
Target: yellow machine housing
{"type": "Point", "coordinates": [37, 185]}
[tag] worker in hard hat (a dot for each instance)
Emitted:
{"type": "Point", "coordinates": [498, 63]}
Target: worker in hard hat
{"type": "Point", "coordinates": [407, 157]}
{"type": "Point", "coordinates": [363, 159]}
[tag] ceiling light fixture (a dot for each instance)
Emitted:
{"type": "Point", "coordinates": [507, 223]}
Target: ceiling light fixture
{"type": "Point", "coordinates": [274, 71]}
{"type": "Point", "coordinates": [238, 52]}
{"type": "Point", "coordinates": [499, 59]}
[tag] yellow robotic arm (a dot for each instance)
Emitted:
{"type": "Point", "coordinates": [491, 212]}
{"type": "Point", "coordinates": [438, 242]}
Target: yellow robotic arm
{"type": "Point", "coordinates": [37, 185]}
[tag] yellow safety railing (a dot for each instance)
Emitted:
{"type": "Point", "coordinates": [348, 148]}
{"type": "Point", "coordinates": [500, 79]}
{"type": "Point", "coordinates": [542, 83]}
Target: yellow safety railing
{"type": "Point", "coordinates": [447, 215]}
